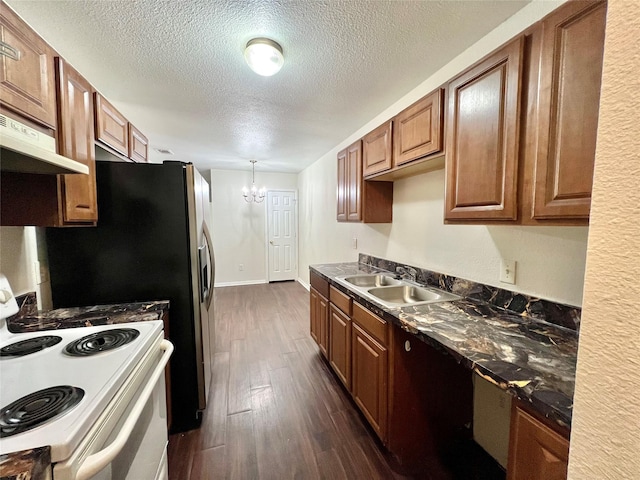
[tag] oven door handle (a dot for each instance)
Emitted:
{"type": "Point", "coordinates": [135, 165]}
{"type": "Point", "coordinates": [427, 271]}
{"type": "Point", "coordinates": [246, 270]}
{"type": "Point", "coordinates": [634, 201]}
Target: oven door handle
{"type": "Point", "coordinates": [97, 461]}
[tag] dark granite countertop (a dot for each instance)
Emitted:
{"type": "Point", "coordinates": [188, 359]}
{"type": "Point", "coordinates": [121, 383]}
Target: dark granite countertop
{"type": "Point", "coordinates": [532, 359]}
{"type": "Point", "coordinates": [31, 320]}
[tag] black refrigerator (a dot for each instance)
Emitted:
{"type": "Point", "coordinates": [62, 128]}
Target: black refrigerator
{"type": "Point", "coordinates": [151, 242]}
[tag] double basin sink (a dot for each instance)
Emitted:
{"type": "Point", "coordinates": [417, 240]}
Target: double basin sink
{"type": "Point", "coordinates": [392, 292]}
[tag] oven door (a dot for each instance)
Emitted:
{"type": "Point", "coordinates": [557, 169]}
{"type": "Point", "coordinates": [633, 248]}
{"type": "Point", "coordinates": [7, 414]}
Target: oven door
{"type": "Point", "coordinates": [129, 439]}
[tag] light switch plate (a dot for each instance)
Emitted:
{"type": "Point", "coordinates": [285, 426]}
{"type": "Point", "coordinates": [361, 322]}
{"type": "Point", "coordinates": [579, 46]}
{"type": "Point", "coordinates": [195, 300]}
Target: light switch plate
{"type": "Point", "coordinates": [508, 271]}
{"type": "Point", "coordinates": [354, 243]}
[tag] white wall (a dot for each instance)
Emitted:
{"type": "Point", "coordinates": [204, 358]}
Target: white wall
{"type": "Point", "coordinates": [239, 228]}
{"type": "Point", "coordinates": [605, 438]}
{"type": "Point", "coordinates": [550, 259]}
{"type": "Point", "coordinates": [20, 248]}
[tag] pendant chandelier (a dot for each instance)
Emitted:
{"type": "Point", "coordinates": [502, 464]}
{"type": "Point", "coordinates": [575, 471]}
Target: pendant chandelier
{"type": "Point", "coordinates": [253, 194]}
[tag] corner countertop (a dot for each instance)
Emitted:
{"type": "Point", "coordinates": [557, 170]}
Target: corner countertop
{"type": "Point", "coordinates": [535, 361]}
{"type": "Point", "coordinates": [28, 320]}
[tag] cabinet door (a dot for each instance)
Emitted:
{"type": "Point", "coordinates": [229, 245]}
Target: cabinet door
{"type": "Point", "coordinates": [75, 140]}
{"type": "Point", "coordinates": [376, 150]}
{"type": "Point", "coordinates": [354, 182]}
{"type": "Point", "coordinates": [568, 102]}
{"type": "Point", "coordinates": [340, 344]}
{"type": "Point", "coordinates": [111, 126]}
{"type": "Point", "coordinates": [417, 131]}
{"type": "Point", "coordinates": [138, 145]}
{"type": "Point", "coordinates": [323, 325]}
{"type": "Point", "coordinates": [536, 451]}
{"type": "Point", "coordinates": [483, 138]}
{"type": "Point", "coordinates": [27, 80]}
{"type": "Point", "coordinates": [369, 379]}
{"type": "Point", "coordinates": [342, 186]}
{"type": "Point", "coordinates": [314, 327]}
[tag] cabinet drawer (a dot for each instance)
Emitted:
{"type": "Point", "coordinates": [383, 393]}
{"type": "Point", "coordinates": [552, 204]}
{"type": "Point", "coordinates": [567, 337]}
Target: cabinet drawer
{"type": "Point", "coordinates": [372, 324]}
{"type": "Point", "coordinates": [319, 283]}
{"type": "Point", "coordinates": [340, 300]}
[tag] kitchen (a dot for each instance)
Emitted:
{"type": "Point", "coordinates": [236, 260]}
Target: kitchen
{"type": "Point", "coordinates": [475, 252]}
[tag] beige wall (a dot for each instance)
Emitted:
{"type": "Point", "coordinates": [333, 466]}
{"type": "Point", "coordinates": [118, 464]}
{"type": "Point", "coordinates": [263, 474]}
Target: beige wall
{"type": "Point", "coordinates": [418, 235]}
{"type": "Point", "coordinates": [20, 248]}
{"type": "Point", "coordinates": [605, 440]}
{"type": "Point", "coordinates": [239, 228]}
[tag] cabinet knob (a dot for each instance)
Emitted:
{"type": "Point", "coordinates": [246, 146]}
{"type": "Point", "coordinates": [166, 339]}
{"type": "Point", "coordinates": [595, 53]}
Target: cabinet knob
{"type": "Point", "coordinates": [407, 346]}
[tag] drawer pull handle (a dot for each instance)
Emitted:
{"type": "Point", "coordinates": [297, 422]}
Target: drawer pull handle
{"type": "Point", "coordinates": [9, 51]}
{"type": "Point", "coordinates": [407, 346]}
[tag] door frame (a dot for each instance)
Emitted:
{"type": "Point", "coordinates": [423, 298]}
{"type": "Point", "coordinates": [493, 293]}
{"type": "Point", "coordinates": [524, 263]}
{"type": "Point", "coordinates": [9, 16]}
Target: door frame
{"type": "Point", "coordinates": [266, 229]}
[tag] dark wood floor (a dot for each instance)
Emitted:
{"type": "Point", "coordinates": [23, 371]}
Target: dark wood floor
{"type": "Point", "coordinates": [275, 410]}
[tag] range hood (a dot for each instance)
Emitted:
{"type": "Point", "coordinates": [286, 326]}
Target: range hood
{"type": "Point", "coordinates": [25, 150]}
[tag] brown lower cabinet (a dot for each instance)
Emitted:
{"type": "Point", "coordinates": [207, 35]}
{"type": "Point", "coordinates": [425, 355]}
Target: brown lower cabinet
{"type": "Point", "coordinates": [340, 344]}
{"type": "Point", "coordinates": [319, 312]}
{"type": "Point", "coordinates": [319, 316]}
{"type": "Point", "coordinates": [369, 378]}
{"type": "Point", "coordinates": [536, 450]}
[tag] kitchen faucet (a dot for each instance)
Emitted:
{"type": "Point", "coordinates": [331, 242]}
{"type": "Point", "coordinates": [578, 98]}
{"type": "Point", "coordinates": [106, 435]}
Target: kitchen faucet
{"type": "Point", "coordinates": [407, 273]}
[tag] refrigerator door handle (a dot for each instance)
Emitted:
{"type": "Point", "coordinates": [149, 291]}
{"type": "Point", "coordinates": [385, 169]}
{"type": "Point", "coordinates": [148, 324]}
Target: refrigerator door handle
{"type": "Point", "coordinates": [204, 272]}
{"type": "Point", "coordinates": [212, 270]}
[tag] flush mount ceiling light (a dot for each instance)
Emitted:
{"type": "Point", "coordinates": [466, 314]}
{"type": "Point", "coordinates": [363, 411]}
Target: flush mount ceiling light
{"type": "Point", "coordinates": [264, 56]}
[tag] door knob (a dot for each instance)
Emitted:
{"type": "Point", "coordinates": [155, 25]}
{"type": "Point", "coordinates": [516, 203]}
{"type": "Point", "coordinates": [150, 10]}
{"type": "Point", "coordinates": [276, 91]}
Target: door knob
{"type": "Point", "coordinates": [271, 242]}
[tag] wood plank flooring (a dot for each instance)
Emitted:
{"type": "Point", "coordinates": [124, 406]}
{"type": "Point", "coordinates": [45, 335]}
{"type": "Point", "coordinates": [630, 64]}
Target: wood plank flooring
{"type": "Point", "coordinates": [275, 410]}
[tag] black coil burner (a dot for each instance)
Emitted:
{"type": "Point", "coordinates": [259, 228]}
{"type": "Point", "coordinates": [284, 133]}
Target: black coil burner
{"type": "Point", "coordinates": [32, 345]}
{"type": "Point", "coordinates": [101, 341]}
{"type": "Point", "coordinates": [37, 408]}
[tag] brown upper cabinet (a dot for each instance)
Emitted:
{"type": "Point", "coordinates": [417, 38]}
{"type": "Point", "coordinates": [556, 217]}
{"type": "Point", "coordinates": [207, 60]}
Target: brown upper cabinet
{"type": "Point", "coordinates": [75, 140]}
{"type": "Point", "coordinates": [418, 129]}
{"type": "Point", "coordinates": [360, 200]}
{"type": "Point", "coordinates": [409, 144]}
{"type": "Point", "coordinates": [354, 182]}
{"type": "Point", "coordinates": [376, 149]}
{"type": "Point", "coordinates": [528, 157]}
{"type": "Point", "coordinates": [112, 128]}
{"type": "Point", "coordinates": [483, 137]}
{"type": "Point", "coordinates": [138, 145]}
{"type": "Point", "coordinates": [27, 80]}
{"type": "Point", "coordinates": [568, 100]}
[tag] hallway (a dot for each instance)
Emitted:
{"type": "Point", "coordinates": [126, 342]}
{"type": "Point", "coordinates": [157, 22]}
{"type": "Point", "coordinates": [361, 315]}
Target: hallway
{"type": "Point", "coordinates": [275, 411]}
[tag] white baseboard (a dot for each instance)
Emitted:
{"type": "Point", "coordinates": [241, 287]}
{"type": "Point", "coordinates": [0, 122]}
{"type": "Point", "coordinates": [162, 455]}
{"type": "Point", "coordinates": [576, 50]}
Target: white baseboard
{"type": "Point", "coordinates": [304, 284]}
{"type": "Point", "coordinates": [236, 284]}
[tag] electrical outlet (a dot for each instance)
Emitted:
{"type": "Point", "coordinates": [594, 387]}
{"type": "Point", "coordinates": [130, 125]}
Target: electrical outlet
{"type": "Point", "coordinates": [241, 267]}
{"type": "Point", "coordinates": [354, 243]}
{"type": "Point", "coordinates": [508, 271]}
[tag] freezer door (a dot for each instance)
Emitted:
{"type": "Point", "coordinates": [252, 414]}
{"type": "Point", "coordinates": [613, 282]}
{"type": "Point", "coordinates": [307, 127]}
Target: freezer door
{"type": "Point", "coordinates": [202, 278]}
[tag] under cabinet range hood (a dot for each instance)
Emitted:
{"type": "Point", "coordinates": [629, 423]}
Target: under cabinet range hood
{"type": "Point", "coordinates": [26, 150]}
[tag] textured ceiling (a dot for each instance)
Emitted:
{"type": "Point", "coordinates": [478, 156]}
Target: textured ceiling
{"type": "Point", "coordinates": [176, 70]}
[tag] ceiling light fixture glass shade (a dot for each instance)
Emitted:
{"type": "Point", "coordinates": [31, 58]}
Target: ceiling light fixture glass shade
{"type": "Point", "coordinates": [264, 56]}
{"type": "Point", "coordinates": [253, 194]}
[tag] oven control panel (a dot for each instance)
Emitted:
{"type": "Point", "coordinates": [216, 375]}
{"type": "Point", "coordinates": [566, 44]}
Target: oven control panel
{"type": "Point", "coordinates": [8, 305]}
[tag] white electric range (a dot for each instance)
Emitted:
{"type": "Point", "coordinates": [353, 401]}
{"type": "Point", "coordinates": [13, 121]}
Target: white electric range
{"type": "Point", "coordinates": [94, 395]}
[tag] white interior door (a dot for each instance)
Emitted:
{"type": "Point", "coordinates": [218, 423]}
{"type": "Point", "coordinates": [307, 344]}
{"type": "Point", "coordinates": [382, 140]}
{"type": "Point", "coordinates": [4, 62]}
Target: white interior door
{"type": "Point", "coordinates": [282, 236]}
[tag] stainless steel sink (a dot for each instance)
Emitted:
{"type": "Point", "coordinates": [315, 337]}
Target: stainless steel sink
{"type": "Point", "coordinates": [371, 280]}
{"type": "Point", "coordinates": [392, 292]}
{"type": "Point", "coordinates": [411, 295]}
